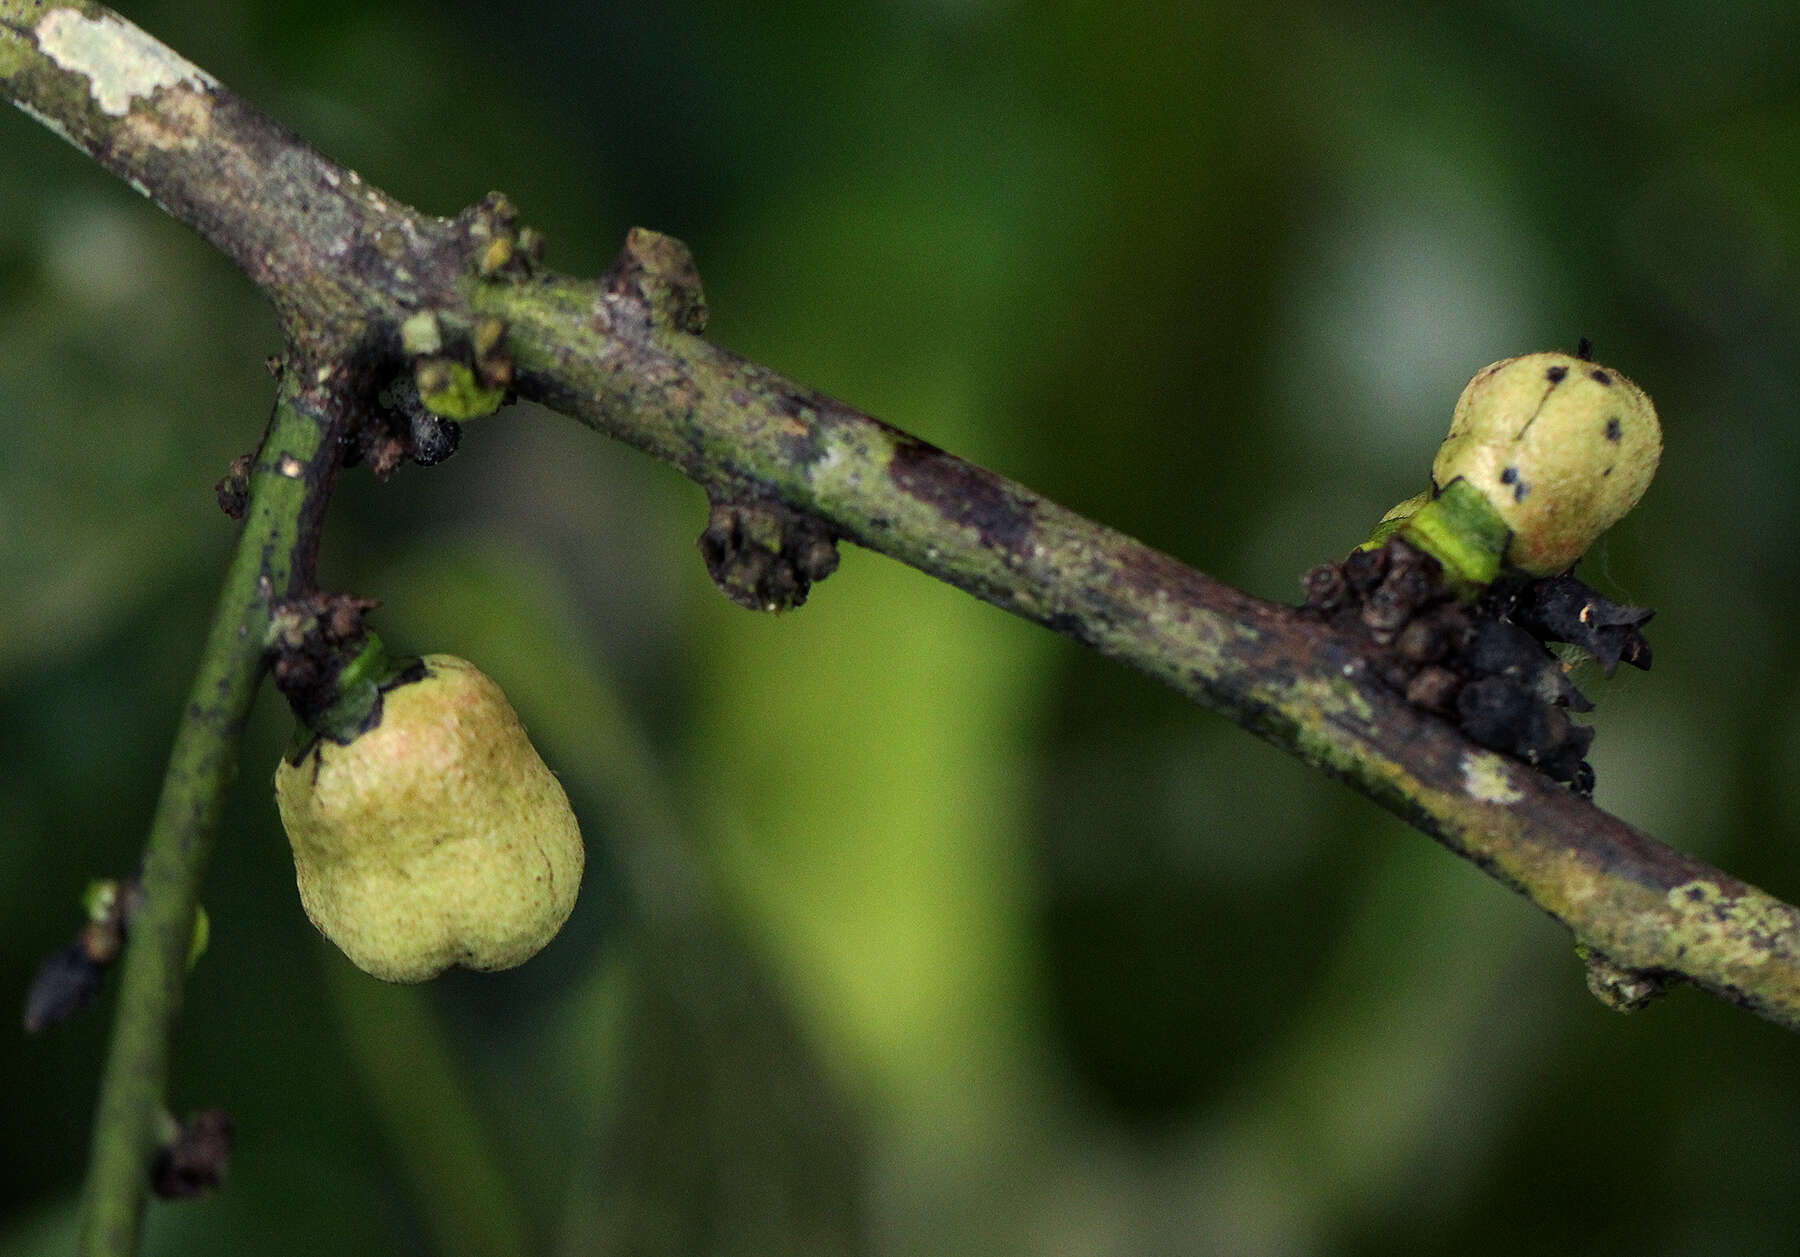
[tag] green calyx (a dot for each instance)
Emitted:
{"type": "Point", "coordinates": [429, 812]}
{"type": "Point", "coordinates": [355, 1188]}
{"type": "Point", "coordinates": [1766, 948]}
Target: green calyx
{"type": "Point", "coordinates": [1459, 528]}
{"type": "Point", "coordinates": [355, 707]}
{"type": "Point", "coordinates": [1394, 519]}
{"type": "Point", "coordinates": [450, 390]}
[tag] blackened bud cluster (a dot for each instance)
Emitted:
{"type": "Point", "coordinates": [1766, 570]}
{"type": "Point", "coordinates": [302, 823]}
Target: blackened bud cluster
{"type": "Point", "coordinates": [1484, 666]}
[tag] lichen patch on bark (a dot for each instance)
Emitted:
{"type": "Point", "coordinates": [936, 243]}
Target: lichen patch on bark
{"type": "Point", "coordinates": [1742, 928]}
{"type": "Point", "coordinates": [1487, 777]}
{"type": "Point", "coordinates": [120, 62]}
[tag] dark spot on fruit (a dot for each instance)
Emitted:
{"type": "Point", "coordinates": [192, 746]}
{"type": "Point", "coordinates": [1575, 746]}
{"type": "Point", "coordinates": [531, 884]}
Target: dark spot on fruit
{"type": "Point", "coordinates": [1613, 430]}
{"type": "Point", "coordinates": [1606, 473]}
{"type": "Point", "coordinates": [1520, 488]}
{"type": "Point", "coordinates": [1600, 377]}
{"type": "Point", "coordinates": [1555, 374]}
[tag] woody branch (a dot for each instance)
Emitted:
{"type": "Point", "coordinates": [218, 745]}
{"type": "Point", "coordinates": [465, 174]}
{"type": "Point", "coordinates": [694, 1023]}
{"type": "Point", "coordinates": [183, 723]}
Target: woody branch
{"type": "Point", "coordinates": [347, 268]}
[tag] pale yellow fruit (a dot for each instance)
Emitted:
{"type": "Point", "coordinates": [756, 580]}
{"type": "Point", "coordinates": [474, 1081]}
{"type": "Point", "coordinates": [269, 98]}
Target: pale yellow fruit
{"type": "Point", "coordinates": [437, 838]}
{"type": "Point", "coordinates": [1560, 447]}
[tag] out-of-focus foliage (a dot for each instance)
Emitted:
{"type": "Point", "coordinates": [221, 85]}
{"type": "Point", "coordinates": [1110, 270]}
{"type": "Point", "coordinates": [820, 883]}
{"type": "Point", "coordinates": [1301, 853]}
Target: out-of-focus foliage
{"type": "Point", "coordinates": [910, 928]}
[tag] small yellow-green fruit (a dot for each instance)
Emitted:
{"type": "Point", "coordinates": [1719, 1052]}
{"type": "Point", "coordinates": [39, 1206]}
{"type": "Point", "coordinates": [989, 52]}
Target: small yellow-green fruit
{"type": "Point", "coordinates": [1560, 447]}
{"type": "Point", "coordinates": [436, 838]}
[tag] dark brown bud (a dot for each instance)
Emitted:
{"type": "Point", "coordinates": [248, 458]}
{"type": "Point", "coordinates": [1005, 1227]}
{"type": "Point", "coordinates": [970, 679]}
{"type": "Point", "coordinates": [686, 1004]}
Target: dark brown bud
{"type": "Point", "coordinates": [192, 1163]}
{"type": "Point", "coordinates": [1434, 689]}
{"type": "Point", "coordinates": [1325, 587]}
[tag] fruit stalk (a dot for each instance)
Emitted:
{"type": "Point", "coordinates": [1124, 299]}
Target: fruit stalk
{"type": "Point", "coordinates": [294, 471]}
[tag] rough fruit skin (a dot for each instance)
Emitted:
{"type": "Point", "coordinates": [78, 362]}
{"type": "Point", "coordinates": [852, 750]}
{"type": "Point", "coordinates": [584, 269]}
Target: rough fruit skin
{"type": "Point", "coordinates": [1561, 447]}
{"type": "Point", "coordinates": [437, 838]}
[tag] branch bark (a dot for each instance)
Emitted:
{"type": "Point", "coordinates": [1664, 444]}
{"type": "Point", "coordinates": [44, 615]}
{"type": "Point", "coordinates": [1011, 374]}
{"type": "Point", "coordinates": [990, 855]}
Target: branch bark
{"type": "Point", "coordinates": [346, 267]}
{"type": "Point", "coordinates": [1644, 913]}
{"type": "Point", "coordinates": [289, 482]}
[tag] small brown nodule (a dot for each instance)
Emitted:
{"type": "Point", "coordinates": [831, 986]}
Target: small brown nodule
{"type": "Point", "coordinates": [233, 488]}
{"type": "Point", "coordinates": [764, 555]}
{"type": "Point", "coordinates": [1434, 689]}
{"type": "Point", "coordinates": [1325, 587]}
{"type": "Point", "coordinates": [192, 1164]}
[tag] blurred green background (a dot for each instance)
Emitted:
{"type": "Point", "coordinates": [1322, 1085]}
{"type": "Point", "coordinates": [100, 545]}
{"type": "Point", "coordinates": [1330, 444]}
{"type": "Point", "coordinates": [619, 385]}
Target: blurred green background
{"type": "Point", "coordinates": [909, 928]}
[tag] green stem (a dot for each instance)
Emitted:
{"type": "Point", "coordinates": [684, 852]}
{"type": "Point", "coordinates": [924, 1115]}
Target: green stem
{"type": "Point", "coordinates": [293, 473]}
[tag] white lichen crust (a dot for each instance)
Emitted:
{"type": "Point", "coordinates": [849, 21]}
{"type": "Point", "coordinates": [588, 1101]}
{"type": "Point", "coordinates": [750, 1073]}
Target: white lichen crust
{"type": "Point", "coordinates": [437, 838]}
{"type": "Point", "coordinates": [120, 61]}
{"type": "Point", "coordinates": [1488, 777]}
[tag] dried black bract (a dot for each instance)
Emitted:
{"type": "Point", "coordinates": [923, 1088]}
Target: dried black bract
{"type": "Point", "coordinates": [433, 438]}
{"type": "Point", "coordinates": [1486, 667]}
{"type": "Point", "coordinates": [68, 979]}
{"type": "Point", "coordinates": [66, 983]}
{"type": "Point", "coordinates": [1504, 716]}
{"type": "Point", "coordinates": [408, 425]}
{"type": "Point", "coordinates": [1563, 609]}
{"type": "Point", "coordinates": [1504, 649]}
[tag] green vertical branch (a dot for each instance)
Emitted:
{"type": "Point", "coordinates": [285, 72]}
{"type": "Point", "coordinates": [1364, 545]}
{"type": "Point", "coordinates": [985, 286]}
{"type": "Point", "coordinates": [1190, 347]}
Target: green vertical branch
{"type": "Point", "coordinates": [292, 475]}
